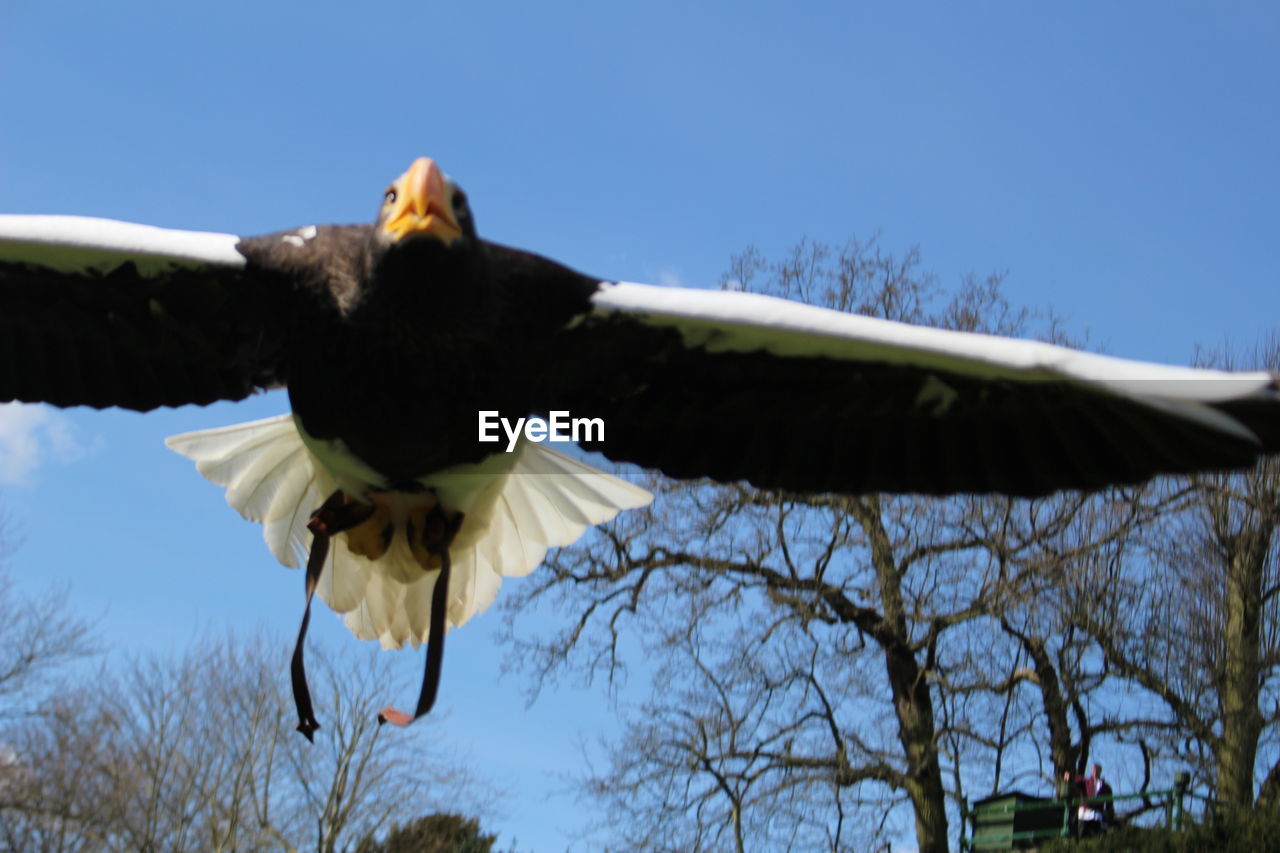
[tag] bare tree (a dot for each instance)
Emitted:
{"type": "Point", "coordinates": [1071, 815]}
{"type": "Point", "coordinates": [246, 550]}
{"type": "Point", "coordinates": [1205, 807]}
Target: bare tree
{"type": "Point", "coordinates": [802, 642]}
{"type": "Point", "coordinates": [1192, 620]}
{"type": "Point", "coordinates": [39, 637]}
{"type": "Point", "coordinates": [198, 753]}
{"type": "Point", "coordinates": [1060, 696]}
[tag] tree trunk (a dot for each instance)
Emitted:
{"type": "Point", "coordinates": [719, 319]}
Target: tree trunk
{"type": "Point", "coordinates": [912, 701]}
{"type": "Point", "coordinates": [1246, 554]}
{"type": "Point", "coordinates": [914, 707]}
{"type": "Point", "coordinates": [1061, 751]}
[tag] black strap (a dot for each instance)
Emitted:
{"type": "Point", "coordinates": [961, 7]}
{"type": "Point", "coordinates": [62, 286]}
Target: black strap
{"type": "Point", "coordinates": [334, 516]}
{"type": "Point", "coordinates": [438, 531]}
{"type": "Point", "coordinates": [435, 650]}
{"type": "Point", "coordinates": [297, 669]}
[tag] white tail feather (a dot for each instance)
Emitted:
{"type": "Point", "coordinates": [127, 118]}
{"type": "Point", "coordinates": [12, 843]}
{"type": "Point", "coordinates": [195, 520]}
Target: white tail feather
{"type": "Point", "coordinates": [515, 509]}
{"type": "Point", "coordinates": [268, 475]}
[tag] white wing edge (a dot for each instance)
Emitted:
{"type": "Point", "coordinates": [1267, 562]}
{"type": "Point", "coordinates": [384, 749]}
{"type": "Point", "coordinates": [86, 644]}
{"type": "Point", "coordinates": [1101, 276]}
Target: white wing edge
{"type": "Point", "coordinates": [731, 321]}
{"type": "Point", "coordinates": [72, 243]}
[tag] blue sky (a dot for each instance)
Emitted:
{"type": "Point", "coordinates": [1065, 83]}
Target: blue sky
{"type": "Point", "coordinates": [1117, 160]}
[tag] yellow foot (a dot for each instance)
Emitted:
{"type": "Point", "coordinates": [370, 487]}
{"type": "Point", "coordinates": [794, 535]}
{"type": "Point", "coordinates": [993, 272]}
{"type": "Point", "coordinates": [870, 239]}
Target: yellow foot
{"type": "Point", "coordinates": [430, 532]}
{"type": "Point", "coordinates": [372, 537]}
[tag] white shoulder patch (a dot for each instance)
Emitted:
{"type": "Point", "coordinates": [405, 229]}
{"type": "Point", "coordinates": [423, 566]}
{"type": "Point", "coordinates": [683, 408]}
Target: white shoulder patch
{"type": "Point", "coordinates": [301, 236]}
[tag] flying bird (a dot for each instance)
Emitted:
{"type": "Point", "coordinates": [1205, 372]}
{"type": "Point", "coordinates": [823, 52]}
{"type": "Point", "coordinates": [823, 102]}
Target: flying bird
{"type": "Point", "coordinates": [409, 477]}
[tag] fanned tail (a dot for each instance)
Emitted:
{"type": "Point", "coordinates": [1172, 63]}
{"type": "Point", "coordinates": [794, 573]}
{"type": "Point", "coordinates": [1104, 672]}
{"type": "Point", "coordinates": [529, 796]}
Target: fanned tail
{"type": "Point", "coordinates": [269, 476]}
{"type": "Point", "coordinates": [544, 500]}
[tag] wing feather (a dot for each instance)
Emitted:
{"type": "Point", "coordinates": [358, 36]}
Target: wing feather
{"type": "Point", "coordinates": [105, 313]}
{"type": "Point", "coordinates": [744, 386]}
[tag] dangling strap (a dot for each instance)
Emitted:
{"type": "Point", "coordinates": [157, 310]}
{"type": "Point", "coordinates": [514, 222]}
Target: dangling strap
{"type": "Point", "coordinates": [435, 650]}
{"type": "Point", "coordinates": [297, 669]}
{"type": "Point", "coordinates": [333, 517]}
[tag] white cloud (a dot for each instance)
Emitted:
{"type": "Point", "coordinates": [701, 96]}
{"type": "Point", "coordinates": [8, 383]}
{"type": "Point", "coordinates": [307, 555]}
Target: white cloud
{"type": "Point", "coordinates": [31, 435]}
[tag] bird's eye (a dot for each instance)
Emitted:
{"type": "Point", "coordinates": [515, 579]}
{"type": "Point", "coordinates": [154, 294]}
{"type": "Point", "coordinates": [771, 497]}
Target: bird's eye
{"type": "Point", "coordinates": [390, 197]}
{"type": "Point", "coordinates": [459, 200]}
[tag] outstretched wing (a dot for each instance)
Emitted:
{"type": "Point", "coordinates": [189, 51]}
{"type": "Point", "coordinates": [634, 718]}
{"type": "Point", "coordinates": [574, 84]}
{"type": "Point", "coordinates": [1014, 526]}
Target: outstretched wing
{"type": "Point", "coordinates": [742, 386]}
{"type": "Point", "coordinates": [104, 313]}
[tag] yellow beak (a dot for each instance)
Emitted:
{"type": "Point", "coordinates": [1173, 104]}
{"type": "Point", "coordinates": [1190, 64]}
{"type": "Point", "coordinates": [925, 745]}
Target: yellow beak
{"type": "Point", "coordinates": [421, 204]}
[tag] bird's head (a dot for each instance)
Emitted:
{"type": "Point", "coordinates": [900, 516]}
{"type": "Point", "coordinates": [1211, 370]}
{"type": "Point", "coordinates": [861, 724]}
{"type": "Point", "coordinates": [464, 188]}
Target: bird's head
{"type": "Point", "coordinates": [423, 205]}
{"type": "Point", "coordinates": [424, 262]}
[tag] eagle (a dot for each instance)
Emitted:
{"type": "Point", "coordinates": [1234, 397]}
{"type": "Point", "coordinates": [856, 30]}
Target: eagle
{"type": "Point", "coordinates": [428, 370]}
